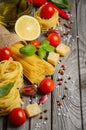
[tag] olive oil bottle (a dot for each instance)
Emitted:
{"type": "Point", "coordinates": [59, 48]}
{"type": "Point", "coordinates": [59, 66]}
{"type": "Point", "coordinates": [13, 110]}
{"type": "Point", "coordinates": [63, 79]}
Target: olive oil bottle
{"type": "Point", "coordinates": [11, 10]}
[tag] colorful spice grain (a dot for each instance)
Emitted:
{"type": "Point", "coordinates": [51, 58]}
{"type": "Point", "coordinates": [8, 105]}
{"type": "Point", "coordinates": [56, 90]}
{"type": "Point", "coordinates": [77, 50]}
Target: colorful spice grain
{"type": "Point", "coordinates": [69, 78]}
{"type": "Point", "coordinates": [65, 95]}
{"type": "Point", "coordinates": [59, 83]}
{"type": "Point", "coordinates": [59, 103]}
{"type": "Point", "coordinates": [67, 25]}
{"type": "Point", "coordinates": [63, 66]}
{"type": "Point", "coordinates": [41, 117]}
{"type": "Point", "coordinates": [61, 71]}
{"type": "Point", "coordinates": [66, 88]}
{"type": "Point", "coordinates": [46, 118]}
{"type": "Point", "coordinates": [60, 79]}
{"type": "Point", "coordinates": [45, 110]}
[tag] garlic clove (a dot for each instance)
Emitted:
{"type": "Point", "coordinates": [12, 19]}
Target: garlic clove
{"type": "Point", "coordinates": [43, 99]}
{"type": "Point", "coordinates": [29, 90]}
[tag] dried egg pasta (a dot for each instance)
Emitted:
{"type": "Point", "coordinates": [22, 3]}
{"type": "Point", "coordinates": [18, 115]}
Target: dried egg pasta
{"type": "Point", "coordinates": [10, 71]}
{"type": "Point", "coordinates": [34, 68]}
{"type": "Point", "coordinates": [47, 23]}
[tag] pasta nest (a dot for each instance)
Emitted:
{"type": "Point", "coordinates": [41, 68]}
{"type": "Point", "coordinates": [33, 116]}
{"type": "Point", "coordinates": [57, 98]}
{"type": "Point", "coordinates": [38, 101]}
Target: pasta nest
{"type": "Point", "coordinates": [10, 71]}
{"type": "Point", "coordinates": [46, 24]}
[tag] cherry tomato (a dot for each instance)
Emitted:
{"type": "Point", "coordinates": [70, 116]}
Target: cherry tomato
{"type": "Point", "coordinates": [5, 53]}
{"type": "Point", "coordinates": [54, 39]}
{"type": "Point", "coordinates": [37, 2]}
{"type": "Point", "coordinates": [35, 43]}
{"type": "Point", "coordinates": [47, 11]}
{"type": "Point", "coordinates": [17, 116]}
{"type": "Point", "coordinates": [46, 85]}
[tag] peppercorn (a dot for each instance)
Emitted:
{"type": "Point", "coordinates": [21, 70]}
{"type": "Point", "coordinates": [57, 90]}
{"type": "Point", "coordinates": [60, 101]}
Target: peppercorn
{"type": "Point", "coordinates": [69, 78]}
{"type": "Point", "coordinates": [60, 83]}
{"type": "Point", "coordinates": [41, 117]}
{"type": "Point", "coordinates": [45, 110]}
{"type": "Point", "coordinates": [62, 65]}
{"type": "Point", "coordinates": [59, 103]}
{"type": "Point", "coordinates": [60, 79]}
{"type": "Point", "coordinates": [46, 118]}
{"type": "Point", "coordinates": [66, 87]}
{"type": "Point", "coordinates": [61, 72]}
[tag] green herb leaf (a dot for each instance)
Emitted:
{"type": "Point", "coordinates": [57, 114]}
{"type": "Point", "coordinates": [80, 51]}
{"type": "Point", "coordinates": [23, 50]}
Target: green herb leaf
{"type": "Point", "coordinates": [45, 42]}
{"type": "Point", "coordinates": [28, 50]}
{"type": "Point", "coordinates": [5, 89]}
{"type": "Point", "coordinates": [61, 3]}
{"type": "Point", "coordinates": [46, 46]}
{"type": "Point", "coordinates": [42, 53]}
{"type": "Point", "coordinates": [49, 48]}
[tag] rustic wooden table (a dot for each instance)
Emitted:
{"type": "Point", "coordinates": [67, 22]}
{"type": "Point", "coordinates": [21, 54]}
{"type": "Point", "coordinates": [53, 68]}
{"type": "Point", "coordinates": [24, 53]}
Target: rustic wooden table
{"type": "Point", "coordinates": [71, 115]}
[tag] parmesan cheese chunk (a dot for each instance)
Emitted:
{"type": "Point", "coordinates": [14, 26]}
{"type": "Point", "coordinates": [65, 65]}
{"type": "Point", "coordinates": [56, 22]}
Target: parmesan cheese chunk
{"type": "Point", "coordinates": [32, 110]}
{"type": "Point", "coordinates": [53, 58]}
{"type": "Point", "coordinates": [63, 49]}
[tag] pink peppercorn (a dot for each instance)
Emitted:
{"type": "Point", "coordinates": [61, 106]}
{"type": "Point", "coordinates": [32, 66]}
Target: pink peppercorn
{"type": "Point", "coordinates": [60, 83]}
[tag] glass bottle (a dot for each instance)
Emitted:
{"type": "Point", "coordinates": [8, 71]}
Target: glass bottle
{"type": "Point", "coordinates": [11, 10]}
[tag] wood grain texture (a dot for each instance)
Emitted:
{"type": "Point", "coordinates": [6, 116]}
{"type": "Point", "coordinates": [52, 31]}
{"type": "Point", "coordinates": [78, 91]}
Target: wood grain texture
{"type": "Point", "coordinates": [81, 11]}
{"type": "Point", "coordinates": [72, 120]}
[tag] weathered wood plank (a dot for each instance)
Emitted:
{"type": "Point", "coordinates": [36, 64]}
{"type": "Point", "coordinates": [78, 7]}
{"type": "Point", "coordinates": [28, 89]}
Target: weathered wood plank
{"type": "Point", "coordinates": [3, 123]}
{"type": "Point", "coordinates": [81, 18]}
{"type": "Point", "coordinates": [69, 116]}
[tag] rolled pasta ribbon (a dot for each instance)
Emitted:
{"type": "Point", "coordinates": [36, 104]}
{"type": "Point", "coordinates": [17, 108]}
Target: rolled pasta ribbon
{"type": "Point", "coordinates": [46, 24]}
{"type": "Point", "coordinates": [10, 71]}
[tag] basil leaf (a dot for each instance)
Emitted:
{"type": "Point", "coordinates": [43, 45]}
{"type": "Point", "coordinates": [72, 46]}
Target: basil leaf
{"type": "Point", "coordinates": [49, 48]}
{"type": "Point", "coordinates": [46, 46]}
{"type": "Point", "coordinates": [28, 50]}
{"type": "Point", "coordinates": [42, 53]}
{"type": "Point", "coordinates": [61, 3]}
{"type": "Point", "coordinates": [5, 89]}
{"type": "Point", "coordinates": [45, 42]}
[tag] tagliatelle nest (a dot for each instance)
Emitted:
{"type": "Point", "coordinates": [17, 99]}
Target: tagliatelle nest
{"type": "Point", "coordinates": [47, 23]}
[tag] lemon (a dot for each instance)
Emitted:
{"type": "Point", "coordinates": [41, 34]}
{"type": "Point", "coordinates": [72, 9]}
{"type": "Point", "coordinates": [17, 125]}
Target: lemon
{"type": "Point", "coordinates": [27, 28]}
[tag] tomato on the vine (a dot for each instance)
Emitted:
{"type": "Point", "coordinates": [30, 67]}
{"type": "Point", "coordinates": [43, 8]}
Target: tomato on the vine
{"type": "Point", "coordinates": [47, 11]}
{"type": "Point", "coordinates": [54, 39]}
{"type": "Point", "coordinates": [17, 116]}
{"type": "Point", "coordinates": [35, 43]}
{"type": "Point", "coordinates": [46, 85]}
{"type": "Point", "coordinates": [5, 53]}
